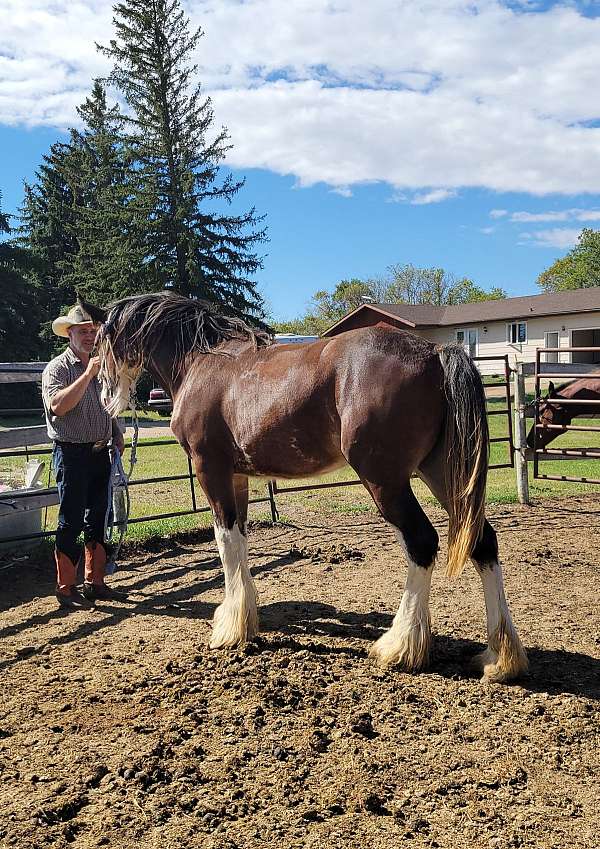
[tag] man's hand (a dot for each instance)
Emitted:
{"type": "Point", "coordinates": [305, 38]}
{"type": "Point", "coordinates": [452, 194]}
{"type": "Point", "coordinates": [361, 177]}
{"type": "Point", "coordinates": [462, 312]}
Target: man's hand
{"type": "Point", "coordinates": [119, 442]}
{"type": "Point", "coordinates": [93, 367]}
{"type": "Point", "coordinates": [68, 398]}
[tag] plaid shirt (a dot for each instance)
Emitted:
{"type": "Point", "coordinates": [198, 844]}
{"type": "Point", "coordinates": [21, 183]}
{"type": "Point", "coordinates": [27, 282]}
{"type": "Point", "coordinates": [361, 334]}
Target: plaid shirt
{"type": "Point", "coordinates": [88, 421]}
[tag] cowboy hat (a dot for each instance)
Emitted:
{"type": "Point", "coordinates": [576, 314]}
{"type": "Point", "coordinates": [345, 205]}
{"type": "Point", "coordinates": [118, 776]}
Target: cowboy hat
{"type": "Point", "coordinates": [76, 315]}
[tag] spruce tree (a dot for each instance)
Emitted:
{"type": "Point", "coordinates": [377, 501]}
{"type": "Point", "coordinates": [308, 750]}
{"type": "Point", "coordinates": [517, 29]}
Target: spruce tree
{"type": "Point", "coordinates": [46, 231]}
{"type": "Point", "coordinates": [109, 261]}
{"type": "Point", "coordinates": [194, 246]}
{"type": "Point", "coordinates": [20, 313]}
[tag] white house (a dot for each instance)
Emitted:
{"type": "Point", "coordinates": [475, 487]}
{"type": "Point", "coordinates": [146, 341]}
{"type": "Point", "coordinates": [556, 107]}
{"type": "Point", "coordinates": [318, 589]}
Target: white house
{"type": "Point", "coordinates": [513, 326]}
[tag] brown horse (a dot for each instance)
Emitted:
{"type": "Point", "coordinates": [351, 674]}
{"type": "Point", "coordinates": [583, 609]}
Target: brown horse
{"type": "Point", "coordinates": [388, 403]}
{"type": "Point", "coordinates": [552, 412]}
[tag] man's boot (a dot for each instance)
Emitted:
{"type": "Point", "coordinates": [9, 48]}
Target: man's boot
{"type": "Point", "coordinates": [95, 568]}
{"type": "Point", "coordinates": [67, 594]}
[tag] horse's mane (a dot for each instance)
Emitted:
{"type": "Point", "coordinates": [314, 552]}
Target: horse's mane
{"type": "Point", "coordinates": [136, 325]}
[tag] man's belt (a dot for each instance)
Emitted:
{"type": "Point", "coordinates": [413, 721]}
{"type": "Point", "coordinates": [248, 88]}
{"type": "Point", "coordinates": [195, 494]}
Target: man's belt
{"type": "Point", "coordinates": [95, 446]}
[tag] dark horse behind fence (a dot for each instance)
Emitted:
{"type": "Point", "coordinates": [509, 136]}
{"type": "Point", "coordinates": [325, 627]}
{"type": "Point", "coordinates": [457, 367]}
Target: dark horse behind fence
{"type": "Point", "coordinates": [558, 415]}
{"type": "Point", "coordinates": [388, 403]}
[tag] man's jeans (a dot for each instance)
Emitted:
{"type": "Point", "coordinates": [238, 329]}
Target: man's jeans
{"type": "Point", "coordinates": [82, 477]}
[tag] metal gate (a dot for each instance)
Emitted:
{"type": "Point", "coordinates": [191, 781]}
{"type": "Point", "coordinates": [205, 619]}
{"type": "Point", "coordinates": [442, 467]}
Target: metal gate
{"type": "Point", "coordinates": [553, 371]}
{"type": "Point", "coordinates": [507, 439]}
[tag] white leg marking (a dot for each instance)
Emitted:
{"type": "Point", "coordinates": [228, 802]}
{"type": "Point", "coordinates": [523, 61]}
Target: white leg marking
{"type": "Point", "coordinates": [236, 619]}
{"type": "Point", "coordinates": [504, 657]}
{"type": "Point", "coordinates": [408, 641]}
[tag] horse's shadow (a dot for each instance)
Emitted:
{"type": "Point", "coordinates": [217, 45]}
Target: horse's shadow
{"type": "Point", "coordinates": [550, 670]}
{"type": "Point", "coordinates": [324, 629]}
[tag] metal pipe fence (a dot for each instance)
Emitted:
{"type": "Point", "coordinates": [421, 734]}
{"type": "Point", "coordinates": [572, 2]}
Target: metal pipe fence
{"type": "Point", "coordinates": [541, 454]}
{"type": "Point", "coordinates": [50, 494]}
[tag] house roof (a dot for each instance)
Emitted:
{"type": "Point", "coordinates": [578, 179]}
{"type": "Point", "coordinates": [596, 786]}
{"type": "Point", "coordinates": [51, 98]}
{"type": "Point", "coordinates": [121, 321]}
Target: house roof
{"type": "Point", "coordinates": [507, 309]}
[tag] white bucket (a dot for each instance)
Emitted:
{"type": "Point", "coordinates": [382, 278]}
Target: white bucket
{"type": "Point", "coordinates": [17, 518]}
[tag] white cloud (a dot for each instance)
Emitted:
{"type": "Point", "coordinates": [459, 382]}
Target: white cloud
{"type": "Point", "coordinates": [452, 93]}
{"type": "Point", "coordinates": [397, 197]}
{"type": "Point", "coordinates": [561, 238]}
{"type": "Point", "coordinates": [498, 213]}
{"type": "Point", "coordinates": [561, 215]}
{"type": "Point", "coordinates": [344, 191]}
{"type": "Point", "coordinates": [539, 216]}
{"type": "Point", "coordinates": [433, 196]}
{"type": "Point", "coordinates": [487, 231]}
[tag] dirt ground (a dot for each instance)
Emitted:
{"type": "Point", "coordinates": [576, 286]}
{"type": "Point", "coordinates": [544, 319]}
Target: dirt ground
{"type": "Point", "coordinates": [120, 728]}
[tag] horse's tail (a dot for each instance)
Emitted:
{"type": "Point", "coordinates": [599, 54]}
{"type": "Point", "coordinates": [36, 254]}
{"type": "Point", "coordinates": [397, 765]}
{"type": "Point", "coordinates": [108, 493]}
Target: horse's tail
{"type": "Point", "coordinates": [467, 444]}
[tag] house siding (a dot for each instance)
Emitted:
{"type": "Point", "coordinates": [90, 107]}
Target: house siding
{"type": "Point", "coordinates": [493, 341]}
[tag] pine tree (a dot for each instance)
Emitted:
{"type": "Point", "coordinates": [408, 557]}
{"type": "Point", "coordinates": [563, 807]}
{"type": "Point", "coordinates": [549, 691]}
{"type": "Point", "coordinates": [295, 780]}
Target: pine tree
{"type": "Point", "coordinates": [194, 246]}
{"type": "Point", "coordinates": [20, 313]}
{"type": "Point", "coordinates": [109, 261]}
{"type": "Point", "coordinates": [46, 231]}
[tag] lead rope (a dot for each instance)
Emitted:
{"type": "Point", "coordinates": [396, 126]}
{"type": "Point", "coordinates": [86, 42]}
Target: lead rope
{"type": "Point", "coordinates": [119, 482]}
{"type": "Point", "coordinates": [136, 429]}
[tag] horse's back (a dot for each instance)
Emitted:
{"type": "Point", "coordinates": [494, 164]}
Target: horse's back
{"type": "Point", "coordinates": [389, 397]}
{"type": "Point", "coordinates": [391, 358]}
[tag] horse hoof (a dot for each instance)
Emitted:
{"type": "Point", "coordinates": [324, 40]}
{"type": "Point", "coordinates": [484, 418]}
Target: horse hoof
{"type": "Point", "coordinates": [219, 643]}
{"type": "Point", "coordinates": [487, 665]}
{"type": "Point", "coordinates": [410, 654]}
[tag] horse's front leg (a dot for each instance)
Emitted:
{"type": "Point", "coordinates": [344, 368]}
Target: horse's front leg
{"type": "Point", "coordinates": [236, 619]}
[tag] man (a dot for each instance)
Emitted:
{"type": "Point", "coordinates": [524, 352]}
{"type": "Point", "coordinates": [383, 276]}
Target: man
{"type": "Point", "coordinates": [81, 430]}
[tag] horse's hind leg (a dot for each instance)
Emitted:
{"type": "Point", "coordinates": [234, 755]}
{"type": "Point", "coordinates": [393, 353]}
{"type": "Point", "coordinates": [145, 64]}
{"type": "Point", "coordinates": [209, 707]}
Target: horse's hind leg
{"type": "Point", "coordinates": [236, 619]}
{"type": "Point", "coordinates": [408, 641]}
{"type": "Point", "coordinates": [504, 658]}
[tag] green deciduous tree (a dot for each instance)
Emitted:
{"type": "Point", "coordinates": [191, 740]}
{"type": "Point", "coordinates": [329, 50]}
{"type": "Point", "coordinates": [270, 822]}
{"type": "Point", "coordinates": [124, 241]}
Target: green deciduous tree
{"type": "Point", "coordinates": [192, 241]}
{"type": "Point", "coordinates": [579, 269]}
{"type": "Point", "coordinates": [411, 285]}
{"type": "Point", "coordinates": [403, 284]}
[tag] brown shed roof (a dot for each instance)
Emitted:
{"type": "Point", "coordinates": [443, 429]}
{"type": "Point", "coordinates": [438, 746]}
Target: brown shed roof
{"type": "Point", "coordinates": [508, 309]}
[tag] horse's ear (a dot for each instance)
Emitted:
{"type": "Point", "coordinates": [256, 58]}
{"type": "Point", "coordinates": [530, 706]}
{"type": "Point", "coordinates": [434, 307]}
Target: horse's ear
{"type": "Point", "coordinates": [97, 314]}
{"type": "Point", "coordinates": [551, 390]}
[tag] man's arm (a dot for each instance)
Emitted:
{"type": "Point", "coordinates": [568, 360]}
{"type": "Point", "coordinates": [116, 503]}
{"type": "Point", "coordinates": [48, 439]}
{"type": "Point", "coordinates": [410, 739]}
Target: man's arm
{"type": "Point", "coordinates": [67, 399]}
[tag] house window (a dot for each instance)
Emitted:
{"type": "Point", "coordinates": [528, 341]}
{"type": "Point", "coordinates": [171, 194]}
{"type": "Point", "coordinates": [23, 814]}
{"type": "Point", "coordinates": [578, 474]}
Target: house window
{"type": "Point", "coordinates": [468, 339]}
{"type": "Point", "coordinates": [516, 333]}
{"type": "Point", "coordinates": [551, 340]}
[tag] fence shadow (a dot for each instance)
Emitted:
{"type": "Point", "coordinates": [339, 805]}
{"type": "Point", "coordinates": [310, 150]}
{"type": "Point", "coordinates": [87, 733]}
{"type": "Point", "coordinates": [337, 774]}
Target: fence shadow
{"type": "Point", "coordinates": [176, 602]}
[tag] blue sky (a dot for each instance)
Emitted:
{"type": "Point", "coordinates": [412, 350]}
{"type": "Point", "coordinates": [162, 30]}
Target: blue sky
{"type": "Point", "coordinates": [449, 133]}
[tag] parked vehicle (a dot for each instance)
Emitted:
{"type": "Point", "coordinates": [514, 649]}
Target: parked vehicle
{"type": "Point", "coordinates": [160, 401]}
{"type": "Point", "coordinates": [287, 338]}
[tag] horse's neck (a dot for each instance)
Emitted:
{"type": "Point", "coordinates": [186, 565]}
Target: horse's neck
{"type": "Point", "coordinates": [160, 364]}
{"type": "Point", "coordinates": [584, 388]}
{"type": "Point", "coordinates": [162, 370]}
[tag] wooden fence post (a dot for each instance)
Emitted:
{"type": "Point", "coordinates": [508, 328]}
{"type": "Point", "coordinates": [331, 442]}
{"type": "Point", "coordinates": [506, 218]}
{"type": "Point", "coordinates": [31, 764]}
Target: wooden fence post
{"type": "Point", "coordinates": [521, 436]}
